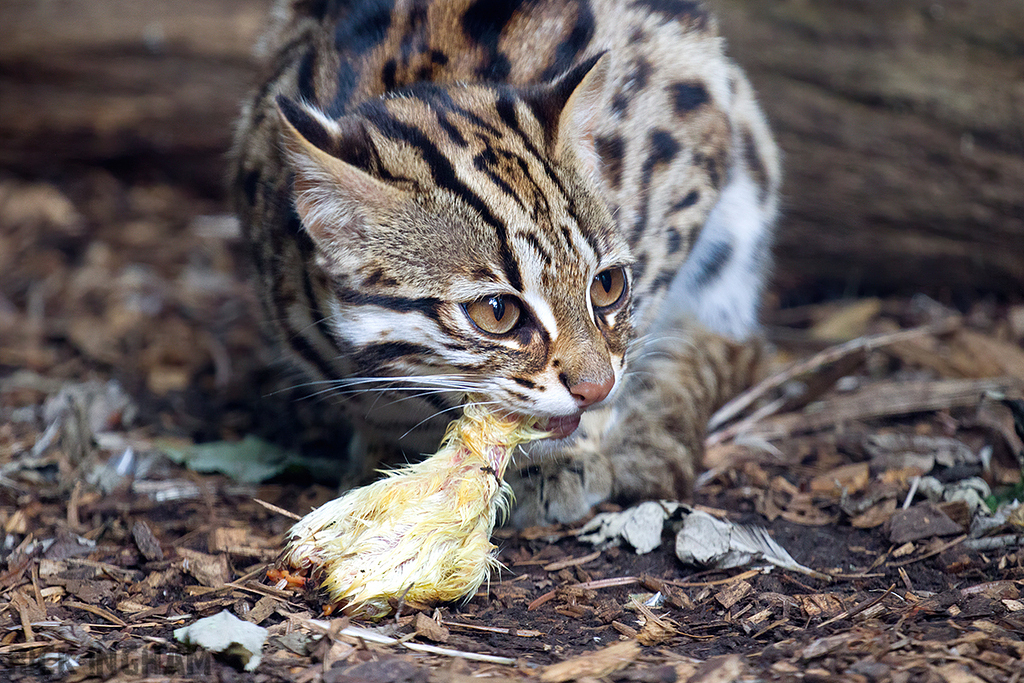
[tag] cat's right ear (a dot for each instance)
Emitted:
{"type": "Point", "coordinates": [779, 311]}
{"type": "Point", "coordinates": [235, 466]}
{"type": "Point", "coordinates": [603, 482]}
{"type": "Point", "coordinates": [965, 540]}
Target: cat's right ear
{"type": "Point", "coordinates": [336, 198]}
{"type": "Point", "coordinates": [569, 108]}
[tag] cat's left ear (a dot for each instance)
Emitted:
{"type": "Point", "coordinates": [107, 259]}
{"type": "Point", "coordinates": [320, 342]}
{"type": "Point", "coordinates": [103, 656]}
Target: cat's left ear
{"type": "Point", "coordinates": [568, 108]}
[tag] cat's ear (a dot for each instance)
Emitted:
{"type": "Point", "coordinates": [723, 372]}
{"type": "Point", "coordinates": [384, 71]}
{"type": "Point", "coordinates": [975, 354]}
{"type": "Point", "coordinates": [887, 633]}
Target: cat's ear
{"type": "Point", "coordinates": [336, 198]}
{"type": "Point", "coordinates": [569, 107]}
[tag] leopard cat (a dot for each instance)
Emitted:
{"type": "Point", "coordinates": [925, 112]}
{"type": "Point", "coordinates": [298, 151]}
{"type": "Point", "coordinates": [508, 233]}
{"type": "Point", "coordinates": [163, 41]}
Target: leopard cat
{"type": "Point", "coordinates": [558, 208]}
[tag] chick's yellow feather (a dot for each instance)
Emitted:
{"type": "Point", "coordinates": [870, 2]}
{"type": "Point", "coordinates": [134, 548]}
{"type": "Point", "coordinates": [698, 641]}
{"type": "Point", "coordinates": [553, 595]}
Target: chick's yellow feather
{"type": "Point", "coordinates": [422, 533]}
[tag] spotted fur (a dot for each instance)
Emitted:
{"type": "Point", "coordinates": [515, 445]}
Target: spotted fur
{"type": "Point", "coordinates": [404, 159]}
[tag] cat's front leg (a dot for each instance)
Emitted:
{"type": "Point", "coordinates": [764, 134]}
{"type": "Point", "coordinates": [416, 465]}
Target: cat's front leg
{"type": "Point", "coordinates": [649, 443]}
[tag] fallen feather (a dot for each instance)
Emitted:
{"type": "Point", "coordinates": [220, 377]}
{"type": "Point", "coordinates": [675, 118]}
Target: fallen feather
{"type": "Point", "coordinates": [706, 540]}
{"type": "Point", "coordinates": [228, 635]}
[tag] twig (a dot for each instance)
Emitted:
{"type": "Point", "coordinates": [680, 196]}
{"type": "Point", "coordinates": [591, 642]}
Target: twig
{"type": "Point", "coordinates": [736, 406]}
{"type": "Point", "coordinates": [98, 611]}
{"type": "Point", "coordinates": [597, 584]}
{"type": "Point", "coordinates": [374, 637]}
{"type": "Point", "coordinates": [278, 510]}
{"type": "Point", "coordinates": [572, 562]}
{"type": "Point", "coordinates": [994, 542]}
{"type": "Point", "coordinates": [520, 632]}
{"type": "Point", "coordinates": [702, 584]}
{"type": "Point", "coordinates": [859, 608]}
{"type": "Point", "coordinates": [944, 547]}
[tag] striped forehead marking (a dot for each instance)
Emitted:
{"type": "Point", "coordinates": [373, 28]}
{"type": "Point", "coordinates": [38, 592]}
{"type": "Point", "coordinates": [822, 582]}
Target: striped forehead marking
{"type": "Point", "coordinates": [542, 310]}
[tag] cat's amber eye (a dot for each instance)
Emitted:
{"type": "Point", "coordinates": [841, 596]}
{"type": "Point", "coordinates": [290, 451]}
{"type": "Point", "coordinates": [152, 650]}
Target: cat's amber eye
{"type": "Point", "coordinates": [608, 287]}
{"type": "Point", "coordinates": [495, 314]}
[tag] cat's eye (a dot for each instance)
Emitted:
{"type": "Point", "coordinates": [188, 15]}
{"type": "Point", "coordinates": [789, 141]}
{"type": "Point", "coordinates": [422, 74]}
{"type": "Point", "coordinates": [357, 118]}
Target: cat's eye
{"type": "Point", "coordinates": [495, 314]}
{"type": "Point", "coordinates": [608, 287]}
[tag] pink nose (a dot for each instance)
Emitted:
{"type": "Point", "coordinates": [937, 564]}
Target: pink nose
{"type": "Point", "coordinates": [589, 393]}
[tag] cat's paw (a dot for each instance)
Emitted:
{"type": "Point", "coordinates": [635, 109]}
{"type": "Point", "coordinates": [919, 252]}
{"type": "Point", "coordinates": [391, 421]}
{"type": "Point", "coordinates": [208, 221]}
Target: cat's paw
{"type": "Point", "coordinates": [559, 490]}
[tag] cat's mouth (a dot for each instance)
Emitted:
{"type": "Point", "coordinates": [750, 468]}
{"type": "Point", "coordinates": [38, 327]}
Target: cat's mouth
{"type": "Point", "coordinates": [560, 427]}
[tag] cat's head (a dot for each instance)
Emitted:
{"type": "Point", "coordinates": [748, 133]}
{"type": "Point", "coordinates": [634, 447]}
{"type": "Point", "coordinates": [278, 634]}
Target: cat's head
{"type": "Point", "coordinates": [464, 235]}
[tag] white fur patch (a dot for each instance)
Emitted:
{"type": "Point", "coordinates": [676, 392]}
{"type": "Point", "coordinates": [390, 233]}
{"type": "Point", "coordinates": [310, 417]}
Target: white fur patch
{"type": "Point", "coordinates": [728, 301]}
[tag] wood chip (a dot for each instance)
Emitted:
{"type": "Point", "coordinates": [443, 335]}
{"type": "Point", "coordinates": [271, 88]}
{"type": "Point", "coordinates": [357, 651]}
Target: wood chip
{"type": "Point", "coordinates": [209, 570]}
{"type": "Point", "coordinates": [146, 542]}
{"type": "Point", "coordinates": [843, 480]}
{"type": "Point", "coordinates": [572, 562]}
{"type": "Point", "coordinates": [263, 608]}
{"type": "Point", "coordinates": [733, 593]}
{"type": "Point", "coordinates": [723, 669]}
{"type": "Point", "coordinates": [428, 628]}
{"type": "Point", "coordinates": [923, 520]}
{"type": "Point", "coordinates": [593, 664]}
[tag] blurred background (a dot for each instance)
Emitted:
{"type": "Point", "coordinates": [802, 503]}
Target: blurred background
{"type": "Point", "coordinates": [902, 125]}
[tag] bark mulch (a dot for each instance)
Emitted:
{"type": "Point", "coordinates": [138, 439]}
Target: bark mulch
{"type": "Point", "coordinates": [883, 451]}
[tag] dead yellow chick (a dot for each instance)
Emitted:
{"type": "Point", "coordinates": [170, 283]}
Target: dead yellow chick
{"type": "Point", "coordinates": [422, 533]}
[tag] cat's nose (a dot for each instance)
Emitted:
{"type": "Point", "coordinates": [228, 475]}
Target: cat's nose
{"type": "Point", "coordinates": [589, 393]}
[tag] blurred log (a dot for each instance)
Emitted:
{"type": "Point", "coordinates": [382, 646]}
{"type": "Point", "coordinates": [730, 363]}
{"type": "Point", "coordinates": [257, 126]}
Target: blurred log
{"type": "Point", "coordinates": [902, 123]}
{"type": "Point", "coordinates": [125, 84]}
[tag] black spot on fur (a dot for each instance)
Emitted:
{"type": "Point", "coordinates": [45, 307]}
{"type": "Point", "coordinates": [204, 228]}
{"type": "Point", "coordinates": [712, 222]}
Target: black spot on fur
{"type": "Point", "coordinates": [570, 49]}
{"type": "Point", "coordinates": [641, 74]}
{"type": "Point", "coordinates": [497, 70]}
{"type": "Point", "coordinates": [712, 165]}
{"type": "Point", "coordinates": [387, 74]}
{"type": "Point", "coordinates": [523, 382]}
{"type": "Point", "coordinates": [364, 27]}
{"type": "Point", "coordinates": [755, 164]}
{"type": "Point", "coordinates": [689, 96]}
{"type": "Point", "coordinates": [438, 57]}
{"type": "Point", "coordinates": [374, 355]}
{"type": "Point", "coordinates": [711, 264]}
{"type": "Point", "coordinates": [506, 108]}
{"type": "Point", "coordinates": [378, 278]}
{"type": "Point", "coordinates": [483, 23]}
{"type": "Point", "coordinates": [345, 84]}
{"type": "Point", "coordinates": [312, 8]}
{"type": "Point", "coordinates": [662, 149]}
{"type": "Point", "coordinates": [675, 240]}
{"type": "Point", "coordinates": [250, 184]}
{"type": "Point", "coordinates": [611, 149]}
{"type": "Point", "coordinates": [691, 198]}
{"type": "Point", "coordinates": [620, 104]}
{"type": "Point", "coordinates": [307, 76]}
{"type": "Point", "coordinates": [691, 11]}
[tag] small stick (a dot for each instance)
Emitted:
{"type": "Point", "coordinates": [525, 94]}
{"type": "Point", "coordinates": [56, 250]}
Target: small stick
{"type": "Point", "coordinates": [736, 406]}
{"type": "Point", "coordinates": [571, 562]}
{"type": "Point", "coordinates": [596, 584]}
{"type": "Point", "coordinates": [859, 608]}
{"type": "Point", "coordinates": [278, 510]}
{"type": "Point", "coordinates": [374, 637]}
{"type": "Point", "coordinates": [942, 548]}
{"type": "Point", "coordinates": [521, 632]}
